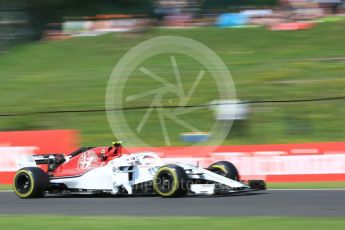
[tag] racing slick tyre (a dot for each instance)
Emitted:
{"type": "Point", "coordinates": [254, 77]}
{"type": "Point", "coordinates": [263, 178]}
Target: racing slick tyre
{"type": "Point", "coordinates": [225, 168]}
{"type": "Point", "coordinates": [30, 182]}
{"type": "Point", "coordinates": [171, 181]}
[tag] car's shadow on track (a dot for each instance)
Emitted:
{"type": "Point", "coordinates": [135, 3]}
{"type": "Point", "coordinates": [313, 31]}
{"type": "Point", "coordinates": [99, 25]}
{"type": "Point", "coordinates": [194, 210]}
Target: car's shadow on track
{"type": "Point", "coordinates": [90, 196]}
{"type": "Point", "coordinates": [235, 194]}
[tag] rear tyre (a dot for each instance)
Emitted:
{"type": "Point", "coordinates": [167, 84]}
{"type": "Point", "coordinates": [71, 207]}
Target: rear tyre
{"type": "Point", "coordinates": [225, 168]}
{"type": "Point", "coordinates": [171, 181]}
{"type": "Point", "coordinates": [30, 182]}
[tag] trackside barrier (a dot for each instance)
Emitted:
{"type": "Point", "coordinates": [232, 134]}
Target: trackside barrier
{"type": "Point", "coordinates": [305, 162]}
{"type": "Point", "coordinates": [14, 145]}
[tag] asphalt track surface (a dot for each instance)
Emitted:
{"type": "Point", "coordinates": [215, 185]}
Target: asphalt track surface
{"type": "Point", "coordinates": [265, 203]}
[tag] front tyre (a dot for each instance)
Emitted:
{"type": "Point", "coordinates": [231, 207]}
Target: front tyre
{"type": "Point", "coordinates": [226, 169]}
{"type": "Point", "coordinates": [30, 182]}
{"type": "Point", "coordinates": [171, 181]}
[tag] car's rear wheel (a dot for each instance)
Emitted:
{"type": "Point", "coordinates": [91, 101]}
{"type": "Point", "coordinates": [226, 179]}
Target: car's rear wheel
{"type": "Point", "coordinates": [225, 168]}
{"type": "Point", "coordinates": [30, 182]}
{"type": "Point", "coordinates": [171, 181]}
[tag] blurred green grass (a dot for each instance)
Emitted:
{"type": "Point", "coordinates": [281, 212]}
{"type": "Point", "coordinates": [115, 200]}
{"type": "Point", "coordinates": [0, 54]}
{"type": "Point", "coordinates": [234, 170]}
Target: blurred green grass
{"type": "Point", "coordinates": [167, 223]}
{"type": "Point", "coordinates": [5, 187]}
{"type": "Point", "coordinates": [265, 65]}
{"type": "Point", "coordinates": [306, 185]}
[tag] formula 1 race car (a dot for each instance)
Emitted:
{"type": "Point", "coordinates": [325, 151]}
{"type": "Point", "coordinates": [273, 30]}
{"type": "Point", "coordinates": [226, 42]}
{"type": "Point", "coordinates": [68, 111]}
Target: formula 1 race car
{"type": "Point", "coordinates": [99, 170]}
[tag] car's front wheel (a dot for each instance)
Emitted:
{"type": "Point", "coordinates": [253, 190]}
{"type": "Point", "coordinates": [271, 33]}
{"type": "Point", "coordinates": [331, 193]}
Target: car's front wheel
{"type": "Point", "coordinates": [225, 168]}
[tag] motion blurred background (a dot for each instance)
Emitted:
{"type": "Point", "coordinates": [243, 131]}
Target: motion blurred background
{"type": "Point", "coordinates": [287, 60]}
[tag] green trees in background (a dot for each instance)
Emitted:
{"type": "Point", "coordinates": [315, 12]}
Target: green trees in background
{"type": "Point", "coordinates": [38, 13]}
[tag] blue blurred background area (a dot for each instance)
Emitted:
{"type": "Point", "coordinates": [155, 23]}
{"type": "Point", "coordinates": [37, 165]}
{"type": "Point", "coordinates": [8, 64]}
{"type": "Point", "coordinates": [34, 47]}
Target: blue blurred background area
{"type": "Point", "coordinates": [232, 19]}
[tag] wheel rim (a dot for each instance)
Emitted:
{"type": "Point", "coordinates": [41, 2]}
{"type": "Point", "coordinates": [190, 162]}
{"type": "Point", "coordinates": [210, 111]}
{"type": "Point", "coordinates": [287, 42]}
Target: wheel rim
{"type": "Point", "coordinates": [23, 183]}
{"type": "Point", "coordinates": [165, 182]}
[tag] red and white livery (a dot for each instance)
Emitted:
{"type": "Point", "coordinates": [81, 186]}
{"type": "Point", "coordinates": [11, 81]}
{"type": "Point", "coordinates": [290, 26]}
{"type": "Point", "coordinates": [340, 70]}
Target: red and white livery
{"type": "Point", "coordinates": [98, 170]}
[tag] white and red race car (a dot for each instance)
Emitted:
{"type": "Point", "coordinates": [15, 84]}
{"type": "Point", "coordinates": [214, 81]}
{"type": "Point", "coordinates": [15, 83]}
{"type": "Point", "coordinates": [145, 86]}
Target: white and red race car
{"type": "Point", "coordinates": [99, 170]}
